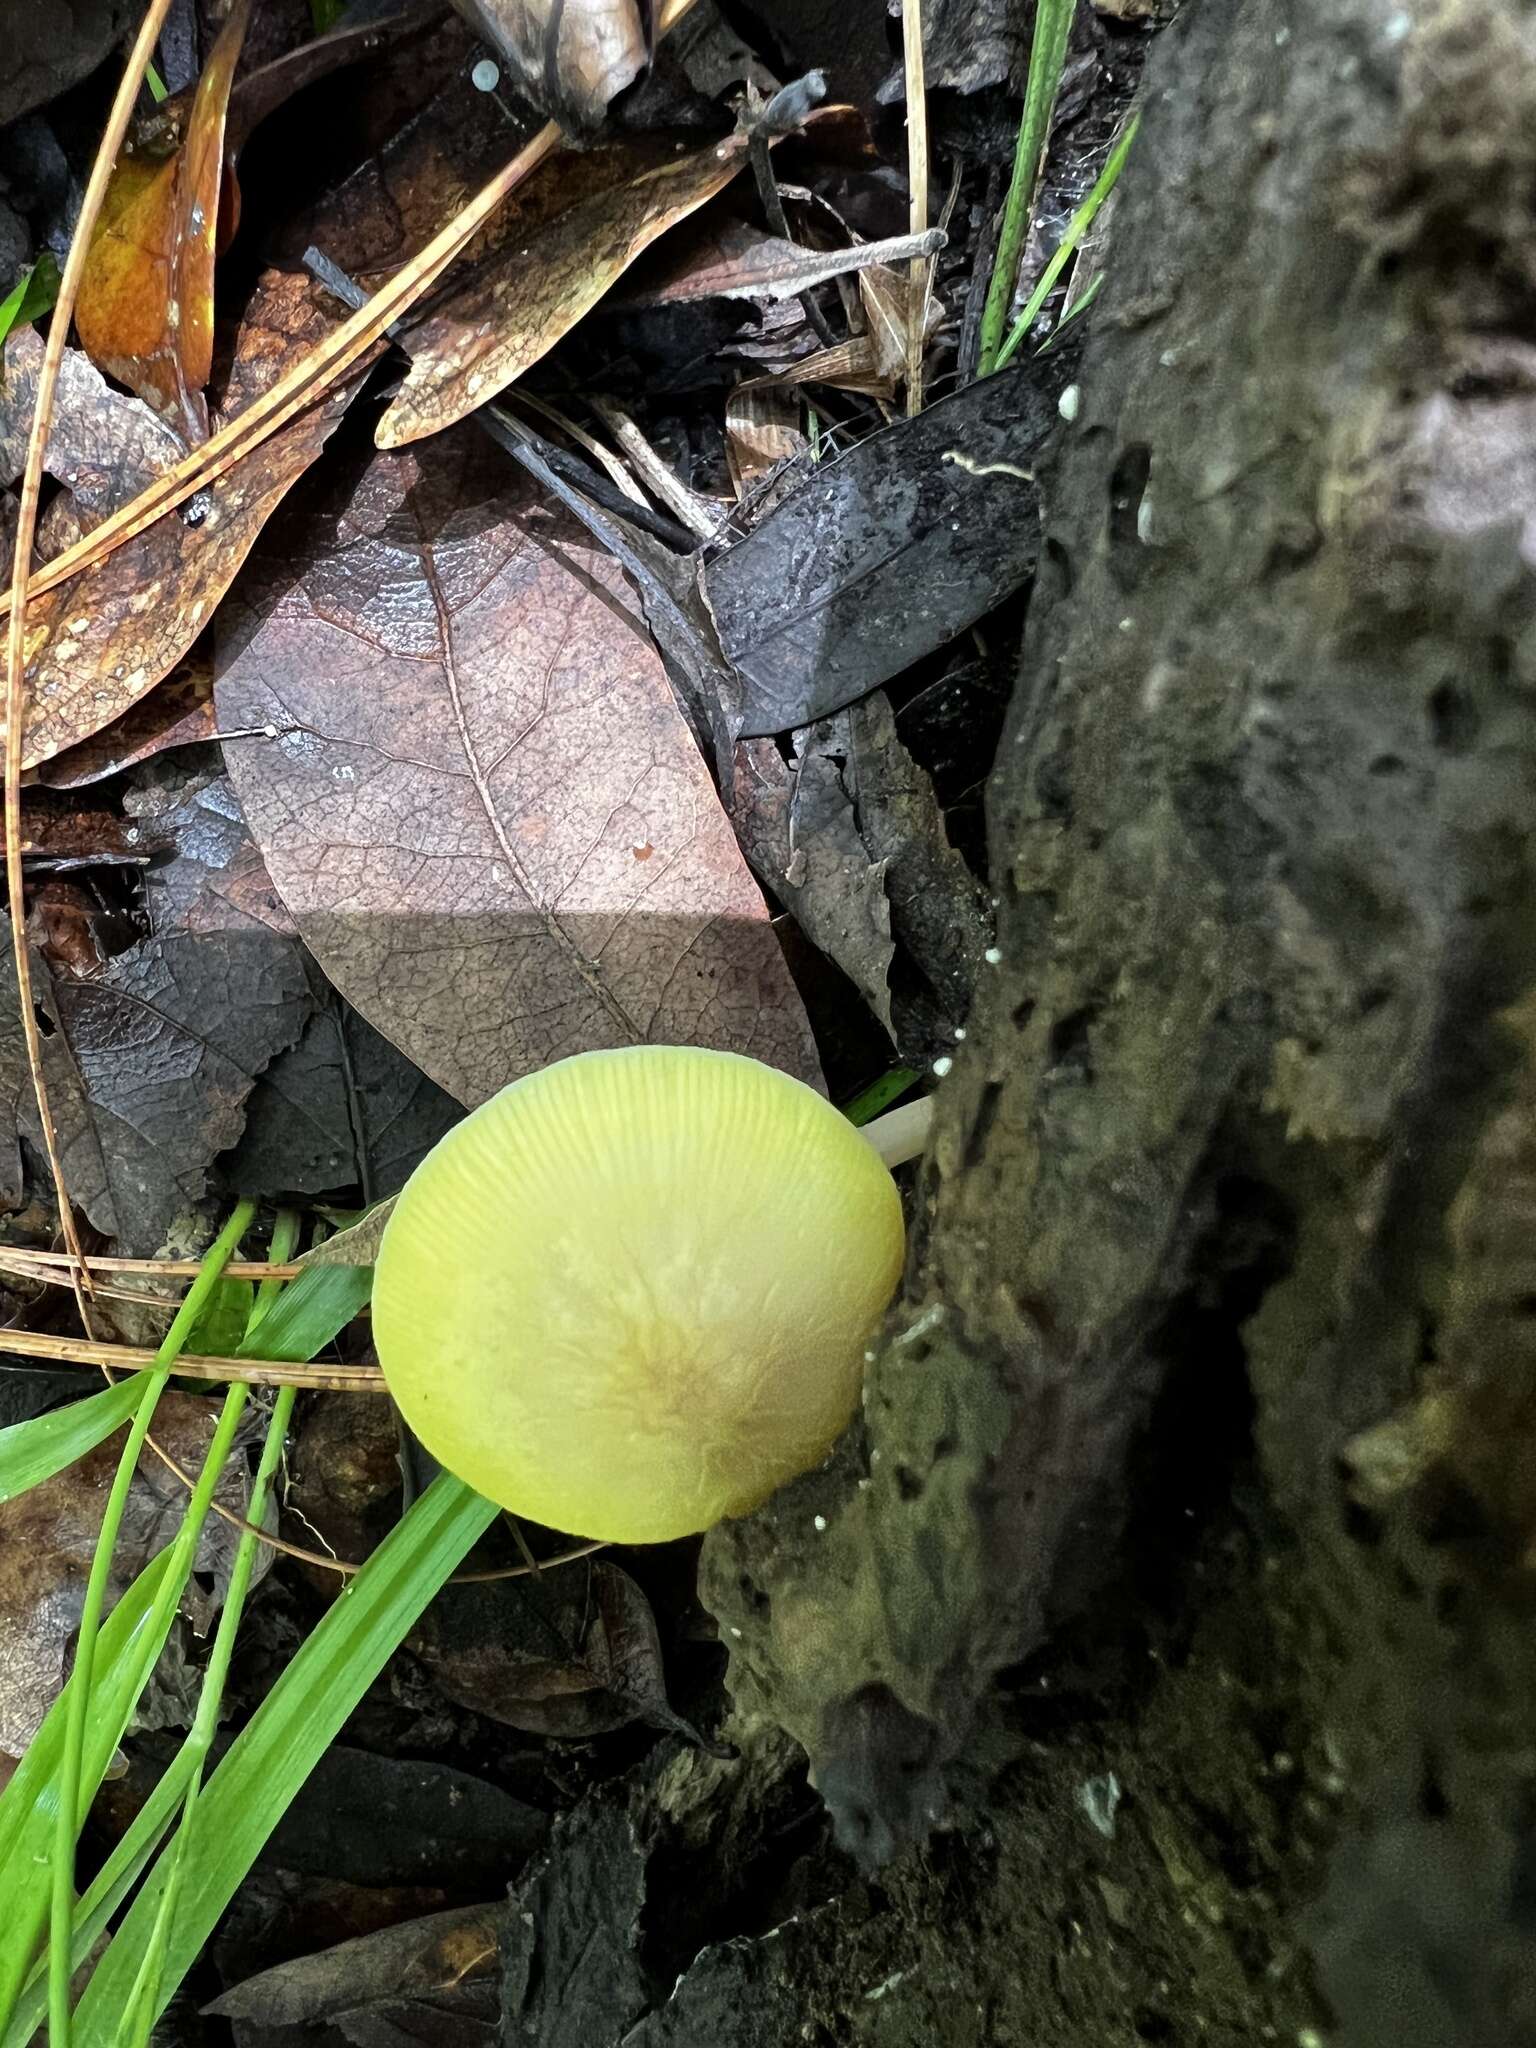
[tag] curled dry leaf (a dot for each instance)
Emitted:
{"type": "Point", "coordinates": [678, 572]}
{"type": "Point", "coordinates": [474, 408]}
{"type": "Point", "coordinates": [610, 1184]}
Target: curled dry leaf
{"type": "Point", "coordinates": [570, 57]}
{"type": "Point", "coordinates": [98, 643]}
{"type": "Point", "coordinates": [145, 311]}
{"type": "Point", "coordinates": [48, 1535]}
{"type": "Point", "coordinates": [560, 242]}
{"type": "Point", "coordinates": [483, 808]}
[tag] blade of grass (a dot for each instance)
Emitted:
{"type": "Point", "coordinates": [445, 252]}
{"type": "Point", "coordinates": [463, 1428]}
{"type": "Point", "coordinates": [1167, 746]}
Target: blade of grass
{"type": "Point", "coordinates": [1077, 227]}
{"type": "Point", "coordinates": [69, 1811]}
{"type": "Point", "coordinates": [131, 1855]}
{"type": "Point", "coordinates": [879, 1095]}
{"type": "Point", "coordinates": [1047, 60]}
{"type": "Point", "coordinates": [280, 1746]}
{"type": "Point", "coordinates": [307, 1315]}
{"type": "Point", "coordinates": [31, 1452]}
{"type": "Point", "coordinates": [31, 296]}
{"type": "Point", "coordinates": [138, 2018]}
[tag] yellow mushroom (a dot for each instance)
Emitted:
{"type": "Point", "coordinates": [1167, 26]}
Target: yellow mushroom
{"type": "Point", "coordinates": [631, 1293]}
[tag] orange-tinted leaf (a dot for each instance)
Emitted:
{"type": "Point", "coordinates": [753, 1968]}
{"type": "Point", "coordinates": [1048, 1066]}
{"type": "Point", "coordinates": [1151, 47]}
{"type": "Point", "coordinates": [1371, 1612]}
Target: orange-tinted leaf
{"type": "Point", "coordinates": [145, 312]}
{"type": "Point", "coordinates": [554, 257]}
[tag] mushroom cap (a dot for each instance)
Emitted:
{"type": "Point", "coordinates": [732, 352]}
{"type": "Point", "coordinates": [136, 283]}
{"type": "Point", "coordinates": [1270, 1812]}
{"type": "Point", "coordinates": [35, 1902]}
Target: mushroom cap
{"type": "Point", "coordinates": [630, 1294]}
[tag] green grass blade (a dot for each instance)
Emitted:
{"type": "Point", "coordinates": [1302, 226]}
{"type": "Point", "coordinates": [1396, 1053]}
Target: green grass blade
{"type": "Point", "coordinates": [309, 1313]}
{"type": "Point", "coordinates": [131, 1855]}
{"type": "Point", "coordinates": [879, 1095]}
{"type": "Point", "coordinates": [1077, 227]}
{"type": "Point", "coordinates": [31, 1452]}
{"type": "Point", "coordinates": [31, 296]}
{"type": "Point", "coordinates": [126, 1649]}
{"type": "Point", "coordinates": [1047, 61]}
{"type": "Point", "coordinates": [270, 1759]}
{"type": "Point", "coordinates": [74, 1797]}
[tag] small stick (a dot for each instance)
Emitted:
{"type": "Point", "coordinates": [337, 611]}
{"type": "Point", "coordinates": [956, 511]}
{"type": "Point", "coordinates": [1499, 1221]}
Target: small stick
{"type": "Point", "coordinates": [673, 493]}
{"type": "Point", "coordinates": [917, 180]}
{"type": "Point", "coordinates": [16, 641]}
{"type": "Point", "coordinates": [256, 1372]}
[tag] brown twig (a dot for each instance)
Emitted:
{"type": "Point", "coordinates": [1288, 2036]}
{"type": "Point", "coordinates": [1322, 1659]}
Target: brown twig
{"type": "Point", "coordinates": [917, 180]}
{"type": "Point", "coordinates": [16, 645]}
{"type": "Point", "coordinates": [251, 1372]}
{"type": "Point", "coordinates": [32, 1265]}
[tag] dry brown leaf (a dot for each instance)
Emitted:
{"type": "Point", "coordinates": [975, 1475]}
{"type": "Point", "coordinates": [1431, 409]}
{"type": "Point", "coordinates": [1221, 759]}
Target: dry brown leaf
{"type": "Point", "coordinates": [97, 644]}
{"type": "Point", "coordinates": [762, 429]}
{"type": "Point", "coordinates": [145, 311]}
{"type": "Point", "coordinates": [177, 714]}
{"type": "Point", "coordinates": [48, 1536]}
{"type": "Point", "coordinates": [569, 56]}
{"type": "Point", "coordinates": [553, 258]}
{"type": "Point", "coordinates": [491, 823]}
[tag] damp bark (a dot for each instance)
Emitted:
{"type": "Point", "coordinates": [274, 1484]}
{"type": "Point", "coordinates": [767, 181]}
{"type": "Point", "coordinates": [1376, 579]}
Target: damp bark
{"type": "Point", "coordinates": [1182, 1562]}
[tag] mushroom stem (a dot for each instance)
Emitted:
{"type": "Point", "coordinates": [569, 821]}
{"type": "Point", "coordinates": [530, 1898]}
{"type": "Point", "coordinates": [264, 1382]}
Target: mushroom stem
{"type": "Point", "coordinates": [902, 1133]}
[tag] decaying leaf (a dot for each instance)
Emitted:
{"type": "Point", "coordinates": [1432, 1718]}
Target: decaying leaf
{"type": "Point", "coordinates": [800, 832]}
{"type": "Point", "coordinates": [342, 1108]}
{"type": "Point", "coordinates": [937, 909]}
{"type": "Point", "coordinates": [483, 808]}
{"type": "Point", "coordinates": [100, 642]}
{"type": "Point", "coordinates": [905, 542]}
{"type": "Point", "coordinates": [145, 311]}
{"type": "Point", "coordinates": [434, 1982]}
{"type": "Point", "coordinates": [102, 445]}
{"type": "Point", "coordinates": [178, 713]}
{"type": "Point", "coordinates": [582, 220]}
{"type": "Point", "coordinates": [570, 57]}
{"type": "Point", "coordinates": [570, 1655]}
{"type": "Point", "coordinates": [47, 1538]}
{"type": "Point", "coordinates": [762, 429]}
{"type": "Point", "coordinates": [155, 1047]}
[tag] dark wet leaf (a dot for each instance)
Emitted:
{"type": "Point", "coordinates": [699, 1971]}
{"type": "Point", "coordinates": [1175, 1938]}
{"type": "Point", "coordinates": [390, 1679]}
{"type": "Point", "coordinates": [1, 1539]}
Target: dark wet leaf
{"type": "Point", "coordinates": [153, 1053]}
{"type": "Point", "coordinates": [344, 1491]}
{"type": "Point", "coordinates": [49, 49]}
{"type": "Point", "coordinates": [572, 1653]}
{"type": "Point", "coordinates": [798, 828]}
{"type": "Point", "coordinates": [432, 1983]}
{"type": "Point", "coordinates": [937, 910]}
{"type": "Point", "coordinates": [48, 1536]}
{"type": "Point", "coordinates": [392, 1821]}
{"type": "Point", "coordinates": [902, 543]}
{"type": "Point", "coordinates": [342, 1108]}
{"type": "Point", "coordinates": [573, 1976]}
{"type": "Point", "coordinates": [487, 815]}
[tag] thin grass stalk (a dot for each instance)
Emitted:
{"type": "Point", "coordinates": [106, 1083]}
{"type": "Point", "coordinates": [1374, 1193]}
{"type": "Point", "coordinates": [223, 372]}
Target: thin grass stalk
{"type": "Point", "coordinates": [68, 1818]}
{"type": "Point", "coordinates": [1077, 227]}
{"type": "Point", "coordinates": [1047, 60]}
{"type": "Point", "coordinates": [143, 2000]}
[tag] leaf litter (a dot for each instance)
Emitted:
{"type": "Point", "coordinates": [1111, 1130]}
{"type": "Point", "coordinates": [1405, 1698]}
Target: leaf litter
{"type": "Point", "coordinates": [496, 759]}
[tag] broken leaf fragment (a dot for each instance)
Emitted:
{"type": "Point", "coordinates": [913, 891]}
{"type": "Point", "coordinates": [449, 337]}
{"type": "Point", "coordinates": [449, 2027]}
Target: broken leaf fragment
{"type": "Point", "coordinates": [560, 242]}
{"type": "Point", "coordinates": [569, 56]}
{"type": "Point", "coordinates": [145, 311]}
